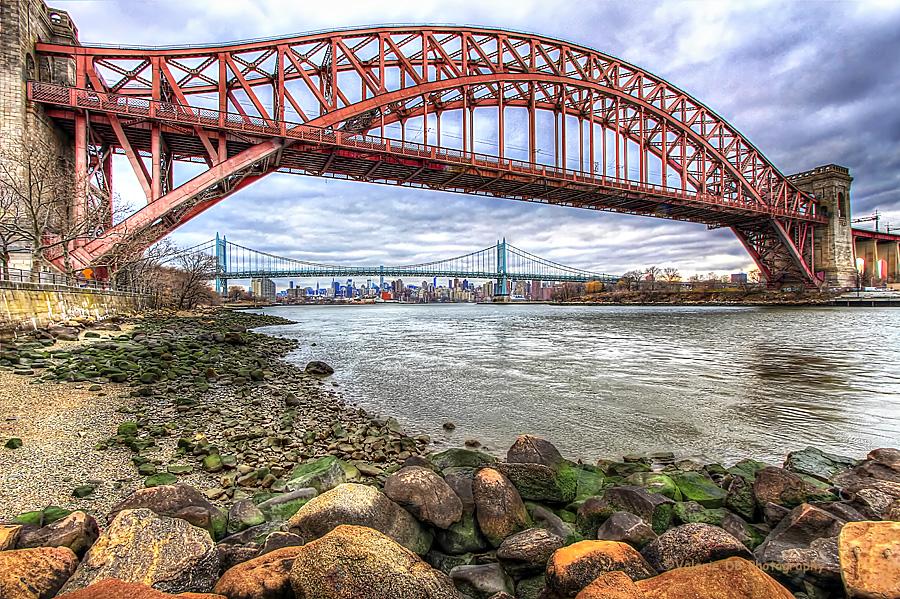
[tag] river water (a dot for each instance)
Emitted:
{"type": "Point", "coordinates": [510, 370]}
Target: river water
{"type": "Point", "coordinates": [600, 381]}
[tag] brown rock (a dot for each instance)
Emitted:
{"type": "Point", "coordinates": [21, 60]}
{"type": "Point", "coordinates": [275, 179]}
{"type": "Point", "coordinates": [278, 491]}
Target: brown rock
{"type": "Point", "coordinates": [359, 505]}
{"type": "Point", "coordinates": [887, 456]}
{"type": "Point", "coordinates": [529, 449]}
{"type": "Point", "coordinates": [612, 585]}
{"type": "Point", "coordinates": [782, 487]}
{"type": "Point", "coordinates": [138, 546]}
{"type": "Point", "coordinates": [425, 495]}
{"type": "Point", "coordinates": [176, 501]}
{"type": "Point", "coordinates": [527, 552]}
{"type": "Point", "coordinates": [498, 507]}
{"type": "Point", "coordinates": [354, 561]}
{"type": "Point", "coordinates": [264, 577]}
{"type": "Point", "coordinates": [35, 573]}
{"type": "Point", "coordinates": [572, 568]}
{"type": "Point", "coordinates": [628, 528]}
{"type": "Point", "coordinates": [732, 578]}
{"type": "Point", "coordinates": [653, 508]}
{"type": "Point", "coordinates": [77, 531]}
{"type": "Point", "coordinates": [797, 530]}
{"type": "Point", "coordinates": [9, 535]}
{"type": "Point", "coordinates": [118, 589]}
{"type": "Point", "coordinates": [692, 544]}
{"type": "Point", "coordinates": [870, 559]}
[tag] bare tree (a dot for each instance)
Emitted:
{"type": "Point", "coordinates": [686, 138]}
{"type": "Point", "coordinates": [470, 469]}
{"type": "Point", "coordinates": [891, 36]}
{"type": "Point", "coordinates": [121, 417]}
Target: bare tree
{"type": "Point", "coordinates": [651, 274]}
{"type": "Point", "coordinates": [237, 293]}
{"type": "Point", "coordinates": [671, 275]}
{"type": "Point", "coordinates": [632, 278]}
{"type": "Point", "coordinates": [40, 206]}
{"type": "Point", "coordinates": [194, 270]}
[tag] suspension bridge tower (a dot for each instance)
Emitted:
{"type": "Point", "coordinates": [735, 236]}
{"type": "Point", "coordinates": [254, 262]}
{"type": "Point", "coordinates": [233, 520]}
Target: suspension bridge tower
{"type": "Point", "coordinates": [502, 285]}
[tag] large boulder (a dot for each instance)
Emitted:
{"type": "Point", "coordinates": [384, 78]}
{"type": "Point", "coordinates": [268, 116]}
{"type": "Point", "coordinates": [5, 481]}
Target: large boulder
{"type": "Point", "coordinates": [872, 497]}
{"type": "Point", "coordinates": [818, 464]}
{"type": "Point", "coordinates": [627, 528]}
{"type": "Point", "coordinates": [527, 552]}
{"type": "Point", "coordinates": [529, 449]}
{"type": "Point", "coordinates": [35, 573]}
{"type": "Point", "coordinates": [77, 531]}
{"type": "Point", "coordinates": [354, 561]}
{"type": "Point", "coordinates": [481, 581]}
{"type": "Point", "coordinates": [318, 368]}
{"type": "Point", "coordinates": [425, 495]}
{"type": "Point", "coordinates": [732, 578]}
{"type": "Point", "coordinates": [804, 524]}
{"type": "Point", "coordinates": [360, 505]}
{"type": "Point", "coordinates": [537, 482]}
{"type": "Point", "coordinates": [739, 498]}
{"type": "Point", "coordinates": [687, 512]}
{"type": "Point", "coordinates": [611, 585]}
{"type": "Point", "coordinates": [870, 558]}
{"type": "Point", "coordinates": [9, 535]}
{"type": "Point", "coordinates": [244, 514]}
{"type": "Point", "coordinates": [119, 589]}
{"type": "Point", "coordinates": [655, 482]}
{"type": "Point", "coordinates": [263, 577]}
{"type": "Point", "coordinates": [498, 506]}
{"type": "Point", "coordinates": [322, 474]}
{"type": "Point", "coordinates": [176, 501]}
{"type": "Point", "coordinates": [572, 568]}
{"type": "Point", "coordinates": [461, 458]}
{"type": "Point", "coordinates": [461, 537]}
{"type": "Point", "coordinates": [781, 487]}
{"type": "Point", "coordinates": [139, 546]}
{"type": "Point", "coordinates": [691, 544]}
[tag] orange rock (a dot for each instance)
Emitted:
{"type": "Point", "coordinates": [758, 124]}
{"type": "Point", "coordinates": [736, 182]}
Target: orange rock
{"type": "Point", "coordinates": [572, 568]}
{"type": "Point", "coordinates": [263, 577]}
{"type": "Point", "coordinates": [9, 534]}
{"type": "Point", "coordinates": [870, 559]}
{"type": "Point", "coordinates": [498, 506]}
{"type": "Point", "coordinates": [112, 588]}
{"type": "Point", "coordinates": [732, 578]}
{"type": "Point", "coordinates": [35, 573]}
{"type": "Point", "coordinates": [612, 585]}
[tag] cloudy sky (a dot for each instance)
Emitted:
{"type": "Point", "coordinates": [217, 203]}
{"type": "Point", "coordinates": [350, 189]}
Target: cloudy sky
{"type": "Point", "coordinates": [809, 83]}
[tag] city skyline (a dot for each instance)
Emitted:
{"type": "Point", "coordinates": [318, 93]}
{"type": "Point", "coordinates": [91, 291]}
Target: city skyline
{"type": "Point", "coordinates": [765, 67]}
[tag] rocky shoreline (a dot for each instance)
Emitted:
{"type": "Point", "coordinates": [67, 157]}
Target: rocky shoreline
{"type": "Point", "coordinates": [252, 479]}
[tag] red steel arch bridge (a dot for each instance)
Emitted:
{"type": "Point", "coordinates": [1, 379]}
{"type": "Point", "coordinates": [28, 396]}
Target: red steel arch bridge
{"type": "Point", "coordinates": [413, 106]}
{"type": "Point", "coordinates": [502, 263]}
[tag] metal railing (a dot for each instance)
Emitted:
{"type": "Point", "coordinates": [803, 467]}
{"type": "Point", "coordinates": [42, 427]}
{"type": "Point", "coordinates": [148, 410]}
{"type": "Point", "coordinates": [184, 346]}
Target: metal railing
{"type": "Point", "coordinates": [208, 117]}
{"type": "Point", "coordinates": [55, 279]}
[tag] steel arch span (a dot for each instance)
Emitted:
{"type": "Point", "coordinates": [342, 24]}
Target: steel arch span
{"type": "Point", "coordinates": [564, 124]}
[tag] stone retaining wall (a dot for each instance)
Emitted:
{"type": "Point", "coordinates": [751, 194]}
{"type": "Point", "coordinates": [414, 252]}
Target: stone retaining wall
{"type": "Point", "coordinates": [28, 305]}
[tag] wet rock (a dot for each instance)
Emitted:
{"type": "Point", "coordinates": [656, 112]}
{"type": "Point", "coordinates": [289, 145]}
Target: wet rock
{"type": "Point", "coordinates": [425, 495]}
{"type": "Point", "coordinates": [869, 559]}
{"type": "Point", "coordinates": [655, 482]}
{"type": "Point", "coordinates": [35, 573]}
{"type": "Point", "coordinates": [117, 589]}
{"type": "Point", "coordinates": [797, 530]}
{"type": "Point", "coordinates": [529, 449]}
{"type": "Point", "coordinates": [653, 508]}
{"type": "Point", "coordinates": [546, 519]}
{"type": "Point", "coordinates": [627, 528]}
{"type": "Point", "coordinates": [322, 474]}
{"type": "Point", "coordinates": [460, 480]}
{"type": "Point", "coordinates": [359, 505]}
{"type": "Point", "coordinates": [139, 546]}
{"type": "Point", "coordinates": [264, 577]}
{"type": "Point", "coordinates": [527, 552]}
{"type": "Point", "coordinates": [591, 481]}
{"type": "Point", "coordinates": [691, 544]}
{"type": "Point", "coordinates": [77, 531]}
{"type": "Point", "coordinates": [461, 458]}
{"type": "Point", "coordinates": [319, 368]}
{"type": "Point", "coordinates": [243, 515]}
{"type": "Point", "coordinates": [461, 537]}
{"type": "Point", "coordinates": [353, 561]}
{"type": "Point", "coordinates": [572, 568]}
{"type": "Point", "coordinates": [739, 498]}
{"type": "Point", "coordinates": [537, 482]}
{"type": "Point", "coordinates": [818, 464]}
{"type": "Point", "coordinates": [747, 469]}
{"type": "Point", "coordinates": [695, 486]}
{"type": "Point", "coordinates": [781, 487]}
{"type": "Point", "coordinates": [612, 585]}
{"type": "Point", "coordinates": [687, 512]}
{"type": "Point", "coordinates": [481, 581]}
{"type": "Point", "coordinates": [176, 501]}
{"type": "Point", "coordinates": [732, 578]}
{"type": "Point", "coordinates": [499, 509]}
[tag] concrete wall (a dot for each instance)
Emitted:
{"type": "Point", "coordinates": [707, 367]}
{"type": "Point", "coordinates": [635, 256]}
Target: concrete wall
{"type": "Point", "coordinates": [27, 305]}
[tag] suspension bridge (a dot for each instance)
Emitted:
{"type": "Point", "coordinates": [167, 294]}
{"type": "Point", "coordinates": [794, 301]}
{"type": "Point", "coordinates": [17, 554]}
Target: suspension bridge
{"type": "Point", "coordinates": [502, 263]}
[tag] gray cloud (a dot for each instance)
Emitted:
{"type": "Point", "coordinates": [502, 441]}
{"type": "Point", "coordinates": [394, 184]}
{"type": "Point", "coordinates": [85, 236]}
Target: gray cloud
{"type": "Point", "coordinates": [808, 82]}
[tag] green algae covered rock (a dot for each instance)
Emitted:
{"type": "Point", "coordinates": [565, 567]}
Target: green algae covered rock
{"type": "Point", "coordinates": [655, 482]}
{"type": "Point", "coordinates": [461, 458]}
{"type": "Point", "coordinates": [322, 475]}
{"type": "Point", "coordinates": [696, 487]}
{"type": "Point", "coordinates": [687, 512]}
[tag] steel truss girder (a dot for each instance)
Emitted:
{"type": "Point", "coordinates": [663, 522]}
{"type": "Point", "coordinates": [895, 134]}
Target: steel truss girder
{"type": "Point", "coordinates": [371, 78]}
